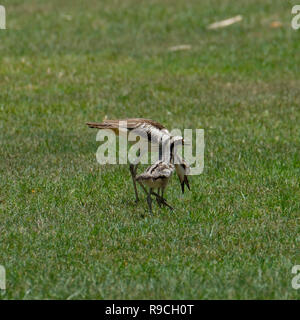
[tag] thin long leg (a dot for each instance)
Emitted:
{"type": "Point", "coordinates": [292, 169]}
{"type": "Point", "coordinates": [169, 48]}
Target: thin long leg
{"type": "Point", "coordinates": [158, 199]}
{"type": "Point", "coordinates": [133, 169]}
{"type": "Point", "coordinates": [162, 200]}
{"type": "Point", "coordinates": [142, 186]}
{"type": "Point", "coordinates": [149, 200]}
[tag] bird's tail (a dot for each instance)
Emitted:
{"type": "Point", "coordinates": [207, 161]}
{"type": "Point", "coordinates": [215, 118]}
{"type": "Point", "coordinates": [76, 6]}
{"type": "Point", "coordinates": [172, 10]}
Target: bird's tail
{"type": "Point", "coordinates": [105, 125]}
{"type": "Point", "coordinates": [98, 125]}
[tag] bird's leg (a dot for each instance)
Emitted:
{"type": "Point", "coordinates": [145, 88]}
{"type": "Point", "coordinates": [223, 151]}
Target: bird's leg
{"type": "Point", "coordinates": [165, 202]}
{"type": "Point", "coordinates": [158, 200]}
{"type": "Point", "coordinates": [142, 186]}
{"type": "Point", "coordinates": [133, 169]}
{"type": "Point", "coordinates": [161, 200]}
{"type": "Point", "coordinates": [149, 200]}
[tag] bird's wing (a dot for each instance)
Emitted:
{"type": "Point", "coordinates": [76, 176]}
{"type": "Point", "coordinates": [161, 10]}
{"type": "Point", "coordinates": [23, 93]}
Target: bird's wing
{"type": "Point", "coordinates": [151, 130]}
{"type": "Point", "coordinates": [131, 123]}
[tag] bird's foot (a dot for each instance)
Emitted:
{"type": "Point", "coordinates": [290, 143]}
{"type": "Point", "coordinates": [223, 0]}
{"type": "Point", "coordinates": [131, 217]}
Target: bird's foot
{"type": "Point", "coordinates": [161, 201]}
{"type": "Point", "coordinates": [158, 202]}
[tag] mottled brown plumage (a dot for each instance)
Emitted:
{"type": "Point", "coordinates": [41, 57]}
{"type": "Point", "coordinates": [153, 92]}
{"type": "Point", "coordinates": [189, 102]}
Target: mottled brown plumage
{"type": "Point", "coordinates": [156, 177]}
{"type": "Point", "coordinates": [132, 123]}
{"type": "Point", "coordinates": [151, 130]}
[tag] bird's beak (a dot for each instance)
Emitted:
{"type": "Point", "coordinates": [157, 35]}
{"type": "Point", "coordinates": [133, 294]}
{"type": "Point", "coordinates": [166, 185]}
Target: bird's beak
{"type": "Point", "coordinates": [185, 182]}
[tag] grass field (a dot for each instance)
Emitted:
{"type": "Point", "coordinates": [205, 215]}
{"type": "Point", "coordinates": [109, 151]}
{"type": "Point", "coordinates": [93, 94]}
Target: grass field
{"type": "Point", "coordinates": [69, 228]}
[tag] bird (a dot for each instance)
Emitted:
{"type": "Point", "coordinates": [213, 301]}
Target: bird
{"type": "Point", "coordinates": [155, 133]}
{"type": "Point", "coordinates": [156, 176]}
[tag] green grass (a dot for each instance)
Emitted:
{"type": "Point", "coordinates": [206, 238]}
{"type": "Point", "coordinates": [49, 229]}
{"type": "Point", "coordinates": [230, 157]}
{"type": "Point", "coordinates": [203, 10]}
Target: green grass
{"type": "Point", "coordinates": [69, 227]}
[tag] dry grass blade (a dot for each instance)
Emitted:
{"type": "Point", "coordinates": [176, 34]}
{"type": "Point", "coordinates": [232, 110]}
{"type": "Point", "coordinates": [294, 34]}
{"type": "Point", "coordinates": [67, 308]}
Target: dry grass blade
{"type": "Point", "coordinates": [276, 24]}
{"type": "Point", "coordinates": [180, 47]}
{"type": "Point", "coordinates": [225, 23]}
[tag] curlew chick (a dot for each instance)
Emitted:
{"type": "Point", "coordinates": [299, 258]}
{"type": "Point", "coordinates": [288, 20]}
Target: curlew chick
{"type": "Point", "coordinates": [156, 177]}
